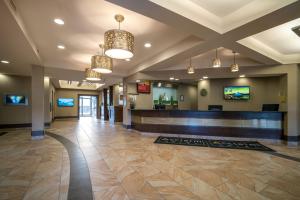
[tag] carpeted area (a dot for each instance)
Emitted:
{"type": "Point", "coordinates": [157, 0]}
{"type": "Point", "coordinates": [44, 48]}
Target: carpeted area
{"type": "Point", "coordinates": [230, 144]}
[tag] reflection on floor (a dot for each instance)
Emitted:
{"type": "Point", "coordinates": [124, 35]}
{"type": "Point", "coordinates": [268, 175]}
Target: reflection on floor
{"type": "Point", "coordinates": [125, 165]}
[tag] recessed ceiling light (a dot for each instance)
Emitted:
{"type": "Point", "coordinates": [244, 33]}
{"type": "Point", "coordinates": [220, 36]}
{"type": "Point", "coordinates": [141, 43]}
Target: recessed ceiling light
{"type": "Point", "coordinates": [176, 79]}
{"type": "Point", "coordinates": [138, 81]}
{"type": "Point", "coordinates": [59, 21]}
{"type": "Point", "coordinates": [172, 78]}
{"type": "Point", "coordinates": [5, 61]}
{"type": "Point", "coordinates": [242, 75]}
{"type": "Point", "coordinates": [127, 59]}
{"type": "Point", "coordinates": [147, 45]}
{"type": "Point", "coordinates": [60, 46]}
{"type": "Point", "coordinates": [205, 77]}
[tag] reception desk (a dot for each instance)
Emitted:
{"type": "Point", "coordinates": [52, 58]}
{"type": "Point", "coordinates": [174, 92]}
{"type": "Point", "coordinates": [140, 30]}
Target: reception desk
{"type": "Point", "coordinates": [248, 124]}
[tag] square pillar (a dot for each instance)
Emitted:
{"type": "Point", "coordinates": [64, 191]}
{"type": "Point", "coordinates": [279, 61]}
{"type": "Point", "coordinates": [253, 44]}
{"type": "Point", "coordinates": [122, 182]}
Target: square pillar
{"type": "Point", "coordinates": [37, 101]}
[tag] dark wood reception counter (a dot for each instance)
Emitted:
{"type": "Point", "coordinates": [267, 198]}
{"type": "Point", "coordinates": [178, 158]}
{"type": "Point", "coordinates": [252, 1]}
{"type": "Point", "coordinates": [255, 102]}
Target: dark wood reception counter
{"type": "Point", "coordinates": [249, 124]}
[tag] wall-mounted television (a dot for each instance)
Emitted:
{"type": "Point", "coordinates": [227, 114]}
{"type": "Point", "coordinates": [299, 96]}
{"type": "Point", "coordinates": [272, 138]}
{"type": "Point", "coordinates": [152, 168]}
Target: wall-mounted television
{"type": "Point", "coordinates": [65, 102]}
{"type": "Point", "coordinates": [15, 100]}
{"type": "Point", "coordinates": [237, 93]}
{"type": "Point", "coordinates": [143, 87]}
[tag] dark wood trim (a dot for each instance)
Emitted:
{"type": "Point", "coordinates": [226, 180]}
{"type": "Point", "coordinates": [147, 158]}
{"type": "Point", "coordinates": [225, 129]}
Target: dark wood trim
{"type": "Point", "coordinates": [210, 114]}
{"type": "Point", "coordinates": [105, 105]}
{"type": "Point", "coordinates": [210, 131]}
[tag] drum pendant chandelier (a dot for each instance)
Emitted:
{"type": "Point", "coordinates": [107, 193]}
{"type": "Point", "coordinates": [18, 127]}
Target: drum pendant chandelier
{"type": "Point", "coordinates": [119, 44]}
{"type": "Point", "coordinates": [101, 63]}
{"type": "Point", "coordinates": [216, 61]}
{"type": "Point", "coordinates": [91, 75]}
{"type": "Point", "coordinates": [234, 67]}
{"type": "Point", "coordinates": [190, 69]}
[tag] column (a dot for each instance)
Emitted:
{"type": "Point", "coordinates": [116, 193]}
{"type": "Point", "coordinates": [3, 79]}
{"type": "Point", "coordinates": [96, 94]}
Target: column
{"type": "Point", "coordinates": [126, 106]}
{"type": "Point", "coordinates": [105, 108]}
{"type": "Point", "coordinates": [37, 102]}
{"type": "Point", "coordinates": [293, 107]}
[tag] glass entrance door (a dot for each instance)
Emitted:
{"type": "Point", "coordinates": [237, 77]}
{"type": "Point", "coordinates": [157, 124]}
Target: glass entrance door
{"type": "Point", "coordinates": [87, 106]}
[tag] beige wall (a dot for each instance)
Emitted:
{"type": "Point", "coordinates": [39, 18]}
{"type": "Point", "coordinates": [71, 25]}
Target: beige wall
{"type": "Point", "coordinates": [190, 97]}
{"type": "Point", "coordinates": [71, 111]}
{"type": "Point", "coordinates": [262, 91]}
{"type": "Point", "coordinates": [143, 101]}
{"type": "Point", "coordinates": [15, 85]}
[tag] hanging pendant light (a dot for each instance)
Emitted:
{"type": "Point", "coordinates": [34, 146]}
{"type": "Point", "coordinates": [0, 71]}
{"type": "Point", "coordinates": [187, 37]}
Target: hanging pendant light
{"type": "Point", "coordinates": [101, 63]}
{"type": "Point", "coordinates": [190, 69]}
{"type": "Point", "coordinates": [91, 75]}
{"type": "Point", "coordinates": [216, 61]}
{"type": "Point", "coordinates": [119, 44]}
{"type": "Point", "coordinates": [234, 67]}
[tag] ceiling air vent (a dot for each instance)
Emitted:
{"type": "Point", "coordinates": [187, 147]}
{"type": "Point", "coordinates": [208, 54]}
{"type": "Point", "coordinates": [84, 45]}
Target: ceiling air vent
{"type": "Point", "coordinates": [13, 5]}
{"type": "Point", "coordinates": [296, 30]}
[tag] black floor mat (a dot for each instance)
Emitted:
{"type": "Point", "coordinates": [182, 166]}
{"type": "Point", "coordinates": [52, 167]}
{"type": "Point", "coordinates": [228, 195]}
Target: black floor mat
{"type": "Point", "coordinates": [230, 144]}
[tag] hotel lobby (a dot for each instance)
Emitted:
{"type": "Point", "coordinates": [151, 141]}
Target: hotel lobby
{"type": "Point", "coordinates": [150, 99]}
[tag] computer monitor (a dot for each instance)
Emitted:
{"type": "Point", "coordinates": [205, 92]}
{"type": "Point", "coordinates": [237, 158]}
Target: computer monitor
{"type": "Point", "coordinates": [270, 107]}
{"type": "Point", "coordinates": [215, 107]}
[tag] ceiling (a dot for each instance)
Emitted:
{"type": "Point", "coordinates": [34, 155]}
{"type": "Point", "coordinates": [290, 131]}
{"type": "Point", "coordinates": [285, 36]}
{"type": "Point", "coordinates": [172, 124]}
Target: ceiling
{"type": "Point", "coordinates": [258, 30]}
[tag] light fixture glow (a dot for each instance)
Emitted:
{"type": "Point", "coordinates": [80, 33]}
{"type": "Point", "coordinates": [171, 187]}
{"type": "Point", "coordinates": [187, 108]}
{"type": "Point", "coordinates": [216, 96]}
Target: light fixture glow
{"type": "Point", "coordinates": [91, 75]}
{"type": "Point", "coordinates": [138, 81]}
{"type": "Point", "coordinates": [242, 75]}
{"type": "Point", "coordinates": [119, 44]}
{"type": "Point", "coordinates": [127, 59]}
{"type": "Point", "coordinates": [190, 69]}
{"type": "Point", "coordinates": [234, 67]}
{"type": "Point", "coordinates": [59, 21]}
{"type": "Point", "coordinates": [159, 84]}
{"type": "Point", "coordinates": [147, 45]}
{"type": "Point", "coordinates": [60, 46]}
{"type": "Point", "coordinates": [205, 77]}
{"type": "Point", "coordinates": [172, 78]}
{"type": "Point", "coordinates": [216, 61]}
{"type": "Point", "coordinates": [176, 79]}
{"type": "Point", "coordinates": [101, 63]}
{"type": "Point", "coordinates": [5, 61]}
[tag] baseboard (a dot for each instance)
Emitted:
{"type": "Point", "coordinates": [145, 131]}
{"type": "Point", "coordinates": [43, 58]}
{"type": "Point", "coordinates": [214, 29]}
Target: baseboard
{"type": "Point", "coordinates": [127, 126]}
{"type": "Point", "coordinates": [65, 117]}
{"type": "Point", "coordinates": [291, 138]}
{"type": "Point", "coordinates": [25, 125]}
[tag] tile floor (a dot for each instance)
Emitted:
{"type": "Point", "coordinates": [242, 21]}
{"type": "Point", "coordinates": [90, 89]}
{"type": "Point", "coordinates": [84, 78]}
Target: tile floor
{"type": "Point", "coordinates": [126, 165]}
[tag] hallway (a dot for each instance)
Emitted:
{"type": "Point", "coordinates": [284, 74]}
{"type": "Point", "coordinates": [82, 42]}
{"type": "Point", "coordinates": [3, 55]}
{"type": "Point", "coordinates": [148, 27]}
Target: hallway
{"type": "Point", "coordinates": [124, 164]}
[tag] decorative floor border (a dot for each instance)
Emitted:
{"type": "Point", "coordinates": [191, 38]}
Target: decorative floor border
{"type": "Point", "coordinates": [80, 186]}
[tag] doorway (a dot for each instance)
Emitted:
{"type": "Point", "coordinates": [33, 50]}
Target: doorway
{"type": "Point", "coordinates": [88, 106]}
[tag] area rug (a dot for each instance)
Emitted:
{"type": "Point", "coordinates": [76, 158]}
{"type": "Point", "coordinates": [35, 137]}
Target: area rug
{"type": "Point", "coordinates": [230, 144]}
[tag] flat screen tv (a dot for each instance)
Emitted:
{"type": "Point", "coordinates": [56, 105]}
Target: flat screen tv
{"type": "Point", "coordinates": [143, 87]}
{"type": "Point", "coordinates": [65, 102]}
{"type": "Point", "coordinates": [16, 100]}
{"type": "Point", "coordinates": [237, 93]}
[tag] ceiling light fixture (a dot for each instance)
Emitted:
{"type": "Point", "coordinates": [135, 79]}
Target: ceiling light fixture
{"type": "Point", "coordinates": [147, 45]}
{"type": "Point", "coordinates": [101, 63]}
{"type": "Point", "coordinates": [216, 61]}
{"type": "Point", "coordinates": [138, 81]}
{"type": "Point", "coordinates": [5, 61]}
{"type": "Point", "coordinates": [91, 75]}
{"type": "Point", "coordinates": [127, 59]}
{"type": "Point", "coordinates": [176, 79]}
{"type": "Point", "coordinates": [190, 69]}
{"type": "Point", "coordinates": [242, 75]}
{"type": "Point", "coordinates": [60, 46]}
{"type": "Point", "coordinates": [234, 67]}
{"type": "Point", "coordinates": [172, 78]}
{"type": "Point", "coordinates": [205, 77]}
{"type": "Point", "coordinates": [59, 21]}
{"type": "Point", "coordinates": [119, 44]}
